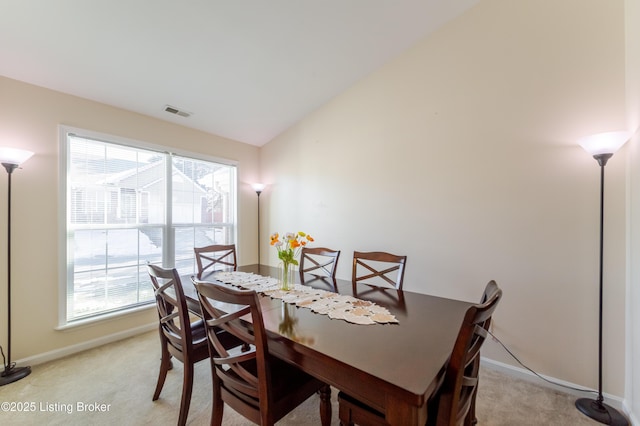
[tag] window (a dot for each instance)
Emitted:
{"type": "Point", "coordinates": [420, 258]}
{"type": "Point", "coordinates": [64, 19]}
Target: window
{"type": "Point", "coordinates": [127, 205]}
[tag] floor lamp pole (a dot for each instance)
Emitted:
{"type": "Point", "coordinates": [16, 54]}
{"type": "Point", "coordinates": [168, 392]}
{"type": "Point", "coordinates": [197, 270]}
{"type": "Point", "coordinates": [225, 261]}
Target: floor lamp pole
{"type": "Point", "coordinates": [258, 192]}
{"type": "Point", "coordinates": [258, 187]}
{"type": "Point", "coordinates": [11, 373]}
{"type": "Point", "coordinates": [597, 409]}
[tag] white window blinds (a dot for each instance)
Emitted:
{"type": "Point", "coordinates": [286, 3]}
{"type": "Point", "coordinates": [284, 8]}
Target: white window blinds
{"type": "Point", "coordinates": [128, 206]}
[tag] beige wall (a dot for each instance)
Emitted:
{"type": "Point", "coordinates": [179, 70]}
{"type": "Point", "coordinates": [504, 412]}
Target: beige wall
{"type": "Point", "coordinates": [461, 153]}
{"type": "Point", "coordinates": [29, 119]}
{"type": "Point", "coordinates": [632, 30]}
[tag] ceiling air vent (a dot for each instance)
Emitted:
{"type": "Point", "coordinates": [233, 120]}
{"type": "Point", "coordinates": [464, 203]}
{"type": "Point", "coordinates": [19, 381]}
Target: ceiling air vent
{"type": "Point", "coordinates": [176, 111]}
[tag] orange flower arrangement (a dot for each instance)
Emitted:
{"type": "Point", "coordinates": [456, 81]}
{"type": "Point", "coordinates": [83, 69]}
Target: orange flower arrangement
{"type": "Point", "coordinates": [290, 245]}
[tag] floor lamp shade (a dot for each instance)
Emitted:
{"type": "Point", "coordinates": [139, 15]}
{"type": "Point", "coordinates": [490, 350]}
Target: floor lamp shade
{"type": "Point", "coordinates": [602, 146]}
{"type": "Point", "coordinates": [14, 156]}
{"type": "Point", "coordinates": [11, 158]}
{"type": "Point", "coordinates": [258, 187]}
{"type": "Point", "coordinates": [604, 143]}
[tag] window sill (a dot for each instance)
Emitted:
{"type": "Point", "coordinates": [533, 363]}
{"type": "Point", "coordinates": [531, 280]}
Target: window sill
{"type": "Point", "coordinates": [88, 322]}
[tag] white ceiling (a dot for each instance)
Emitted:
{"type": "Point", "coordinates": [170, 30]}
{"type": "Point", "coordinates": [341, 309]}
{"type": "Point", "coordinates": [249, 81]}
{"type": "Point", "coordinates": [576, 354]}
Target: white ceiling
{"type": "Point", "coordinates": [246, 69]}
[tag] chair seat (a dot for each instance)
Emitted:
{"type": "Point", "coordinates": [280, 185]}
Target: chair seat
{"type": "Point", "coordinates": [198, 340]}
{"type": "Point", "coordinates": [284, 379]}
{"type": "Point", "coordinates": [199, 336]}
{"type": "Point", "coordinates": [198, 331]}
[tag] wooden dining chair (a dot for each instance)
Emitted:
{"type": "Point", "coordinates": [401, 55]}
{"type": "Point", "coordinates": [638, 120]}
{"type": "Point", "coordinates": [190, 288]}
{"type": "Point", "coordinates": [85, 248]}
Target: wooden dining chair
{"type": "Point", "coordinates": [379, 269]}
{"type": "Point", "coordinates": [179, 336]}
{"type": "Point", "coordinates": [255, 384]}
{"type": "Point", "coordinates": [453, 403]}
{"type": "Point", "coordinates": [216, 257]}
{"type": "Point", "coordinates": [320, 262]}
{"type": "Point", "coordinates": [491, 291]}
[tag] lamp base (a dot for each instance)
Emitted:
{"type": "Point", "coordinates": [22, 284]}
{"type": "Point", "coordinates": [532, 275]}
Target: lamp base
{"type": "Point", "coordinates": [601, 412]}
{"type": "Point", "coordinates": [14, 374]}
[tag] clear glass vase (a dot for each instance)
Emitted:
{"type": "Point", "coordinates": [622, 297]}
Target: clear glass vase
{"type": "Point", "coordinates": [286, 276]}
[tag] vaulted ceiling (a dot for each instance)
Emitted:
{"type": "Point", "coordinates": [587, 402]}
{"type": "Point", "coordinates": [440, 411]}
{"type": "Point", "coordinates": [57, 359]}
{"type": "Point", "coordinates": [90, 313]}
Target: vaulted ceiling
{"type": "Point", "coordinates": [241, 69]}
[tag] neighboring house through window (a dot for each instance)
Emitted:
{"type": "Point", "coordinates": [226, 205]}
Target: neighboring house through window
{"type": "Point", "coordinates": [128, 204]}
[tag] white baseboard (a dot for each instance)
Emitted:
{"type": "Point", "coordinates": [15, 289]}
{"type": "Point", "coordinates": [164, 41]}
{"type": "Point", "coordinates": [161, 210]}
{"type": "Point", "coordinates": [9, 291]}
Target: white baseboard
{"type": "Point", "coordinates": [521, 373]}
{"type": "Point", "coordinates": [633, 419]}
{"type": "Point", "coordinates": [73, 349]}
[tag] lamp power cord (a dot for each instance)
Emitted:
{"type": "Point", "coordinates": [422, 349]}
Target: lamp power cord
{"type": "Point", "coordinates": [535, 373]}
{"type": "Point", "coordinates": [6, 366]}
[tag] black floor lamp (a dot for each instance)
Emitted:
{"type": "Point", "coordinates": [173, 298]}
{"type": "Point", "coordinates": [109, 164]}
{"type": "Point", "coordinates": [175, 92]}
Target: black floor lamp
{"type": "Point", "coordinates": [258, 187]}
{"type": "Point", "coordinates": [11, 158]}
{"type": "Point", "coordinates": [602, 146]}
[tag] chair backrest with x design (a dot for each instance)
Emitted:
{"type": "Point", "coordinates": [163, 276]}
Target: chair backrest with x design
{"type": "Point", "coordinates": [379, 269]}
{"type": "Point", "coordinates": [456, 396]}
{"type": "Point", "coordinates": [320, 262]}
{"type": "Point", "coordinates": [172, 308]}
{"type": "Point", "coordinates": [216, 257]}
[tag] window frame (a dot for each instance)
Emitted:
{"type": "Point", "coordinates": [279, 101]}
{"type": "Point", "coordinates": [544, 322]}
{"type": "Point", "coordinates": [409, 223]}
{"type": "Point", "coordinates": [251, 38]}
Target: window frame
{"type": "Point", "coordinates": [66, 268]}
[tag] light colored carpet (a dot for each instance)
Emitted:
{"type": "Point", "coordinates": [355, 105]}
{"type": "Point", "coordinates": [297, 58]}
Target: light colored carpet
{"type": "Point", "coordinates": [123, 375]}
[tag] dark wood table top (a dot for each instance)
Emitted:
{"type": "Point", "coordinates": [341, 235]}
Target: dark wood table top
{"type": "Point", "coordinates": [392, 367]}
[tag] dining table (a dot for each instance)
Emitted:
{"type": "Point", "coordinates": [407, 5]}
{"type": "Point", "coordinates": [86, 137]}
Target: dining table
{"type": "Point", "coordinates": [392, 367]}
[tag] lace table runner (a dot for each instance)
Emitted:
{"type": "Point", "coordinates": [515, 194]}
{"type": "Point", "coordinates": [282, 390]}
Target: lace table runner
{"type": "Point", "coordinates": [334, 305]}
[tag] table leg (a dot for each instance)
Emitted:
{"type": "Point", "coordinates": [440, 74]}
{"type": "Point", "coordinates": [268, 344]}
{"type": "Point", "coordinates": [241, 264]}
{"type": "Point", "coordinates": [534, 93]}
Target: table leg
{"type": "Point", "coordinates": [325, 406]}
